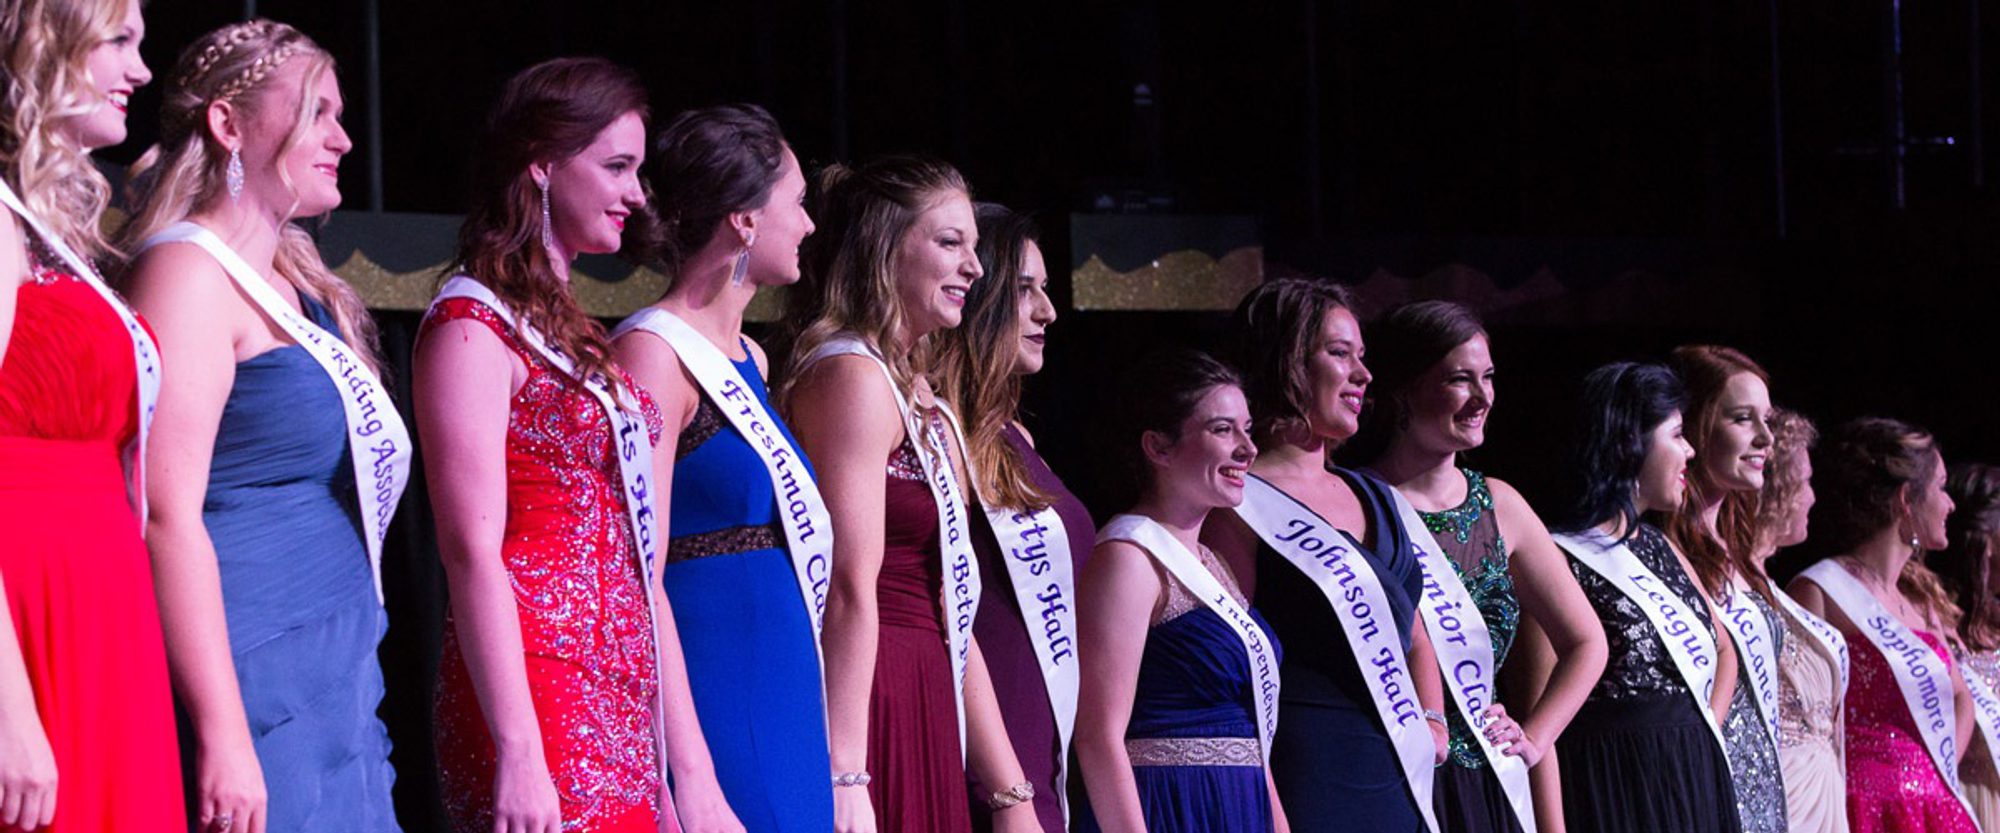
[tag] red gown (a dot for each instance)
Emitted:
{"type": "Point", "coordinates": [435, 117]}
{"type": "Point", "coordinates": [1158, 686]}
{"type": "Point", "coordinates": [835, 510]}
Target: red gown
{"type": "Point", "coordinates": [585, 628]}
{"type": "Point", "coordinates": [79, 583]}
{"type": "Point", "coordinates": [918, 775]}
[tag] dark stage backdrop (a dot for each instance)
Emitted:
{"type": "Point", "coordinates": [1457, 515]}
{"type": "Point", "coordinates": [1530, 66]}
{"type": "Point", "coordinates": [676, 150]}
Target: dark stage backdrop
{"type": "Point", "coordinates": [1604, 181]}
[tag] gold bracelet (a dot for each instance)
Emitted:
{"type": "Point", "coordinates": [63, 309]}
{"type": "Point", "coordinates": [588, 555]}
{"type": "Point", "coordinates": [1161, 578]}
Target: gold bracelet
{"type": "Point", "coordinates": [1011, 796]}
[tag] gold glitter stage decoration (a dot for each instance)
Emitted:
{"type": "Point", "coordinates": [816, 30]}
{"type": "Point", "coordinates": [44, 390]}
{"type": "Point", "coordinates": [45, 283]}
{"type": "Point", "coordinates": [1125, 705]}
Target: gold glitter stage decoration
{"type": "Point", "coordinates": [1180, 280]}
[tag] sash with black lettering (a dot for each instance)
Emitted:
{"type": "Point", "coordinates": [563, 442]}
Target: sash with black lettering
{"type": "Point", "coordinates": [1464, 650]}
{"type": "Point", "coordinates": [1823, 632]}
{"type": "Point", "coordinates": [145, 355]}
{"type": "Point", "coordinates": [378, 444]}
{"type": "Point", "coordinates": [1035, 547]}
{"type": "Point", "coordinates": [1921, 674]}
{"type": "Point", "coordinates": [1148, 535]}
{"type": "Point", "coordinates": [1351, 587]}
{"type": "Point", "coordinates": [1691, 646]}
{"type": "Point", "coordinates": [960, 593]}
{"type": "Point", "coordinates": [801, 510]}
{"type": "Point", "coordinates": [1757, 650]}
{"type": "Point", "coordinates": [631, 443]}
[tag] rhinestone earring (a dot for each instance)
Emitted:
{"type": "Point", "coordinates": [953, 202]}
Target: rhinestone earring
{"type": "Point", "coordinates": [742, 268]}
{"type": "Point", "coordinates": [548, 225]}
{"type": "Point", "coordinates": [232, 175]}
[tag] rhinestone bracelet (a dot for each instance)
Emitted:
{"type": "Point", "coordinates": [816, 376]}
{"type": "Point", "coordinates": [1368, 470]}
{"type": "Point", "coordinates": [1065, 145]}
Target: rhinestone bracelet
{"type": "Point", "coordinates": [1011, 796]}
{"type": "Point", "coordinates": [850, 779]}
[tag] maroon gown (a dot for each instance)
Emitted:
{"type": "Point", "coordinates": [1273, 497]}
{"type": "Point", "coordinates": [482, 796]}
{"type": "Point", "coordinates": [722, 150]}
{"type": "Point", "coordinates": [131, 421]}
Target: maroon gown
{"type": "Point", "coordinates": [1010, 654]}
{"type": "Point", "coordinates": [79, 582]}
{"type": "Point", "coordinates": [913, 749]}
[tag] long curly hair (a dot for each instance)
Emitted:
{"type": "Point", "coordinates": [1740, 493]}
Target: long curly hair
{"type": "Point", "coordinates": [44, 80]}
{"type": "Point", "coordinates": [184, 171]}
{"type": "Point", "coordinates": [975, 361]}
{"type": "Point", "coordinates": [1706, 370]}
{"type": "Point", "coordinates": [546, 113]}
{"type": "Point", "coordinates": [849, 283]}
{"type": "Point", "coordinates": [1792, 438]}
{"type": "Point", "coordinates": [1966, 562]}
{"type": "Point", "coordinates": [1860, 470]}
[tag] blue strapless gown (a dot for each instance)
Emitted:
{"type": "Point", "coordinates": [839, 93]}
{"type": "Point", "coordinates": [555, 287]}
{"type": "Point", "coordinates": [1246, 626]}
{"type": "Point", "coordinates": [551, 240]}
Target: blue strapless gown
{"type": "Point", "coordinates": [299, 595]}
{"type": "Point", "coordinates": [744, 629]}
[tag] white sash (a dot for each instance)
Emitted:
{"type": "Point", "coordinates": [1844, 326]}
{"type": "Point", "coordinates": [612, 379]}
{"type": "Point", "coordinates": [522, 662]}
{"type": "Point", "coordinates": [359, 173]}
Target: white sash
{"type": "Point", "coordinates": [1757, 652]}
{"type": "Point", "coordinates": [1351, 587]}
{"type": "Point", "coordinates": [1148, 535]}
{"type": "Point", "coordinates": [632, 444]}
{"type": "Point", "coordinates": [960, 593]}
{"type": "Point", "coordinates": [1690, 645]}
{"type": "Point", "coordinates": [1921, 674]}
{"type": "Point", "coordinates": [378, 445]}
{"type": "Point", "coordinates": [1464, 650]}
{"type": "Point", "coordinates": [1035, 547]}
{"type": "Point", "coordinates": [1829, 638]}
{"type": "Point", "coordinates": [145, 356]}
{"type": "Point", "coordinates": [802, 510]}
{"type": "Point", "coordinates": [1985, 712]}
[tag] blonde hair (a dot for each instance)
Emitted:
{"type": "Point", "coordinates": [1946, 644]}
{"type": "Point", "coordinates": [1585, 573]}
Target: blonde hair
{"type": "Point", "coordinates": [45, 80]}
{"type": "Point", "coordinates": [850, 282]}
{"type": "Point", "coordinates": [236, 64]}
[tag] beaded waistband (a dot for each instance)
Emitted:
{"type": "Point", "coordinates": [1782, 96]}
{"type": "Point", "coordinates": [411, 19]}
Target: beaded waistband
{"type": "Point", "coordinates": [729, 541]}
{"type": "Point", "coordinates": [1193, 752]}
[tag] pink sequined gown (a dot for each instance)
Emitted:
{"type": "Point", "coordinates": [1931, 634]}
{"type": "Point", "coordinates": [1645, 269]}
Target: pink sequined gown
{"type": "Point", "coordinates": [584, 625]}
{"type": "Point", "coordinates": [1892, 786]}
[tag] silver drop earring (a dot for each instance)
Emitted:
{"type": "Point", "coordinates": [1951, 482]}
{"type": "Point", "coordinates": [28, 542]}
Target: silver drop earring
{"type": "Point", "coordinates": [232, 175]}
{"type": "Point", "coordinates": [742, 268]}
{"type": "Point", "coordinates": [548, 226]}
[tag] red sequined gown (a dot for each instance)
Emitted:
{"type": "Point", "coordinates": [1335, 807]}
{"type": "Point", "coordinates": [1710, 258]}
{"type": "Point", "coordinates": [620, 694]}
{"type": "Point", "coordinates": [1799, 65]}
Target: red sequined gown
{"type": "Point", "coordinates": [79, 583]}
{"type": "Point", "coordinates": [1892, 786]}
{"type": "Point", "coordinates": [585, 628]}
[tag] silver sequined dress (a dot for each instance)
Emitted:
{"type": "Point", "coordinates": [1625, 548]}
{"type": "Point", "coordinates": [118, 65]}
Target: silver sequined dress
{"type": "Point", "coordinates": [1753, 758]}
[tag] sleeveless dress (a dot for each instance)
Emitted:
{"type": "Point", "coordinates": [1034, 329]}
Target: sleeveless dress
{"type": "Point", "coordinates": [1975, 770]}
{"type": "Point", "coordinates": [298, 593]}
{"type": "Point", "coordinates": [79, 582]}
{"type": "Point", "coordinates": [1469, 799]}
{"type": "Point", "coordinates": [1002, 630]}
{"type": "Point", "coordinates": [1333, 763]}
{"type": "Point", "coordinates": [1753, 758]}
{"type": "Point", "coordinates": [744, 630]}
{"type": "Point", "coordinates": [1810, 729]}
{"type": "Point", "coordinates": [913, 751]}
{"type": "Point", "coordinates": [1639, 756]}
{"type": "Point", "coordinates": [585, 627]}
{"type": "Point", "coordinates": [1892, 786]}
{"type": "Point", "coordinates": [1192, 737]}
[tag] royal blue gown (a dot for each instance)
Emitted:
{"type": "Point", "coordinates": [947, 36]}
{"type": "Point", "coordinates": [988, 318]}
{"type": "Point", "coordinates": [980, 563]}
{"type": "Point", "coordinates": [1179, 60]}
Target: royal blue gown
{"type": "Point", "coordinates": [298, 593]}
{"type": "Point", "coordinates": [744, 629]}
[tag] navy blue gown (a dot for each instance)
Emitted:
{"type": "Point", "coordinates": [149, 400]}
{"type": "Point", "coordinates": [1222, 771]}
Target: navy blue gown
{"type": "Point", "coordinates": [298, 593]}
{"type": "Point", "coordinates": [1333, 763]}
{"type": "Point", "coordinates": [744, 630]}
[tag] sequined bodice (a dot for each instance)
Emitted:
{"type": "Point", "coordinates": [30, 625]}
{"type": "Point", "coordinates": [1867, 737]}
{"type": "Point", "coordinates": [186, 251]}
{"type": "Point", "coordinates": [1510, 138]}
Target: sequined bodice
{"type": "Point", "coordinates": [1808, 705]}
{"type": "Point", "coordinates": [1753, 759]}
{"type": "Point", "coordinates": [1470, 534]}
{"type": "Point", "coordinates": [1639, 667]}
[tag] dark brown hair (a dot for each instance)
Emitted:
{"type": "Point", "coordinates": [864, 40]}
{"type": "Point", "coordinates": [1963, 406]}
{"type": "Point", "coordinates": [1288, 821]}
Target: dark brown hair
{"type": "Point", "coordinates": [547, 113]}
{"type": "Point", "coordinates": [708, 164]}
{"type": "Point", "coordinates": [1860, 469]}
{"type": "Point", "coordinates": [1706, 370]}
{"type": "Point", "coordinates": [1162, 395]}
{"type": "Point", "coordinates": [1966, 563]}
{"type": "Point", "coordinates": [1402, 346]}
{"type": "Point", "coordinates": [974, 361]}
{"type": "Point", "coordinates": [1277, 327]}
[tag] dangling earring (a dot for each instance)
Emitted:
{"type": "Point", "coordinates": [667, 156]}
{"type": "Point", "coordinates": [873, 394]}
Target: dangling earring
{"type": "Point", "coordinates": [232, 175]}
{"type": "Point", "coordinates": [742, 267]}
{"type": "Point", "coordinates": [548, 226]}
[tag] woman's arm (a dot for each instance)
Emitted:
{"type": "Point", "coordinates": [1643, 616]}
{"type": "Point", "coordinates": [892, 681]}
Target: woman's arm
{"type": "Point", "coordinates": [1429, 682]}
{"type": "Point", "coordinates": [192, 306]}
{"type": "Point", "coordinates": [846, 421]}
{"type": "Point", "coordinates": [1524, 683]}
{"type": "Point", "coordinates": [1563, 618]}
{"type": "Point", "coordinates": [464, 380]}
{"type": "Point", "coordinates": [13, 273]}
{"type": "Point", "coordinates": [1116, 597]}
{"type": "Point", "coordinates": [1962, 702]}
{"type": "Point", "coordinates": [991, 758]}
{"type": "Point", "coordinates": [696, 795]}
